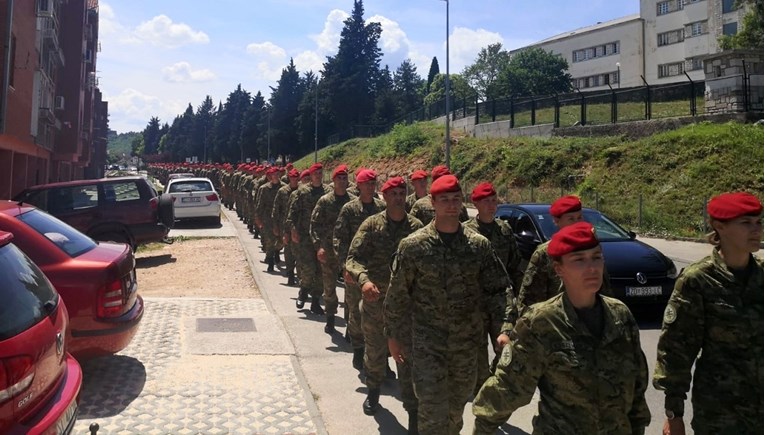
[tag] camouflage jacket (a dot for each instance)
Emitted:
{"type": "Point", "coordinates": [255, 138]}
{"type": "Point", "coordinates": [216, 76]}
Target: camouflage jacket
{"type": "Point", "coordinates": [257, 183]}
{"type": "Point", "coordinates": [587, 385]}
{"type": "Point", "coordinates": [265, 203]}
{"type": "Point", "coordinates": [439, 287]}
{"type": "Point", "coordinates": [540, 282]}
{"type": "Point", "coordinates": [715, 321]}
{"type": "Point", "coordinates": [373, 247]}
{"type": "Point", "coordinates": [410, 200]}
{"type": "Point", "coordinates": [503, 241]}
{"type": "Point", "coordinates": [323, 219]}
{"type": "Point", "coordinates": [299, 214]}
{"type": "Point", "coordinates": [424, 211]}
{"type": "Point", "coordinates": [348, 221]}
{"type": "Point", "coordinates": [281, 204]}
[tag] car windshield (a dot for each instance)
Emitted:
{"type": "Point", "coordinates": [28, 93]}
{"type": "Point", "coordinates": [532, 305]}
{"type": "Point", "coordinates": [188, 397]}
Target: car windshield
{"type": "Point", "coordinates": [26, 293]}
{"type": "Point", "coordinates": [66, 238]}
{"type": "Point", "coordinates": [190, 186]}
{"type": "Point", "coordinates": [605, 228]}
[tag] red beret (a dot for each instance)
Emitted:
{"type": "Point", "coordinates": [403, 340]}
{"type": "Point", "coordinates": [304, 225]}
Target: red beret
{"type": "Point", "coordinates": [366, 175]}
{"type": "Point", "coordinates": [572, 238]}
{"type": "Point", "coordinates": [305, 173]}
{"type": "Point", "coordinates": [293, 173]}
{"type": "Point", "coordinates": [315, 167]}
{"type": "Point", "coordinates": [393, 183]}
{"type": "Point", "coordinates": [445, 184]}
{"type": "Point", "coordinates": [566, 204]}
{"type": "Point", "coordinates": [289, 166]}
{"type": "Point", "coordinates": [358, 171]}
{"type": "Point", "coordinates": [340, 170]}
{"type": "Point", "coordinates": [418, 175]}
{"type": "Point", "coordinates": [439, 171]}
{"type": "Point", "coordinates": [272, 170]}
{"type": "Point", "coordinates": [732, 205]}
{"type": "Point", "coordinates": [483, 190]}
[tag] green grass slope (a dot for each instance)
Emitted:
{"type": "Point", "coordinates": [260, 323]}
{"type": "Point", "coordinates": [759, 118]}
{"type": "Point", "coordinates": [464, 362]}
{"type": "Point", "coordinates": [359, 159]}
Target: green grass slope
{"type": "Point", "coordinates": [657, 185]}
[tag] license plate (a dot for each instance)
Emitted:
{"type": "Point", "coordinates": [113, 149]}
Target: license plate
{"type": "Point", "coordinates": [643, 291]}
{"type": "Point", "coordinates": [192, 199]}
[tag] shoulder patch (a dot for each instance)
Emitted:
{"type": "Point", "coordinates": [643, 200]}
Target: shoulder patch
{"type": "Point", "coordinates": [670, 315]}
{"type": "Point", "coordinates": [507, 355]}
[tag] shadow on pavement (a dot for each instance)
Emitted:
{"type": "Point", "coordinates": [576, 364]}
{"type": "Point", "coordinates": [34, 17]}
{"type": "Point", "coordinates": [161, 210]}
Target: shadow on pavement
{"type": "Point", "coordinates": [387, 422]}
{"type": "Point", "coordinates": [110, 384]}
{"type": "Point", "coordinates": [154, 261]}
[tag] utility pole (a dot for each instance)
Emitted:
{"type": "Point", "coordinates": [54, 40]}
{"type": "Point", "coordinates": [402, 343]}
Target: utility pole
{"type": "Point", "coordinates": [448, 113]}
{"type": "Point", "coordinates": [316, 124]}
{"type": "Point", "coordinates": [268, 155]}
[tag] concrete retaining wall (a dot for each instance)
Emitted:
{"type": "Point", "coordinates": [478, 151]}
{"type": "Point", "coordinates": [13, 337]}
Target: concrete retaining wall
{"type": "Point", "coordinates": [502, 129]}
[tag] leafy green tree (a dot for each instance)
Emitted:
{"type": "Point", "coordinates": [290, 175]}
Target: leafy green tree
{"type": "Point", "coordinates": [407, 85]}
{"type": "Point", "coordinates": [459, 89]}
{"type": "Point", "coordinates": [227, 140]}
{"type": "Point", "coordinates": [151, 137]}
{"type": "Point", "coordinates": [284, 102]}
{"type": "Point", "coordinates": [534, 71]}
{"type": "Point", "coordinates": [385, 100]}
{"type": "Point", "coordinates": [484, 73]}
{"type": "Point", "coordinates": [432, 73]}
{"type": "Point", "coordinates": [253, 126]}
{"type": "Point", "coordinates": [751, 34]}
{"type": "Point", "coordinates": [203, 128]}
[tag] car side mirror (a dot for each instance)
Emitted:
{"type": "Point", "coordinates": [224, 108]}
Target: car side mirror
{"type": "Point", "coordinates": [632, 235]}
{"type": "Point", "coordinates": [529, 237]}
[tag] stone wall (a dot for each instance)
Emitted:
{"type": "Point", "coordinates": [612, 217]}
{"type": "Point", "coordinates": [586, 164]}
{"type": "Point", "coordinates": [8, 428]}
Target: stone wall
{"type": "Point", "coordinates": [725, 87]}
{"type": "Point", "coordinates": [502, 129]}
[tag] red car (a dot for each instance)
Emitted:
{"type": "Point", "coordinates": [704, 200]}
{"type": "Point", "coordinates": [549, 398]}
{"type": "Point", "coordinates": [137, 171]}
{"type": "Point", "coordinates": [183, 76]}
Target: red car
{"type": "Point", "coordinates": [39, 380]}
{"type": "Point", "coordinates": [96, 280]}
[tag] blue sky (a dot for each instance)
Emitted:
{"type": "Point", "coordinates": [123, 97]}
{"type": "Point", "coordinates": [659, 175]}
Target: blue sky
{"type": "Point", "coordinates": [157, 56]}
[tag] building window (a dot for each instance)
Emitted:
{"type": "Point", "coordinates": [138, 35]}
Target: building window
{"type": "Point", "coordinates": [730, 29]}
{"type": "Point", "coordinates": [696, 29]}
{"type": "Point", "coordinates": [595, 52]}
{"type": "Point", "coordinates": [671, 69]}
{"type": "Point", "coordinates": [671, 37]}
{"type": "Point", "coordinates": [694, 64]}
{"type": "Point", "coordinates": [662, 8]}
{"type": "Point", "coordinates": [728, 6]}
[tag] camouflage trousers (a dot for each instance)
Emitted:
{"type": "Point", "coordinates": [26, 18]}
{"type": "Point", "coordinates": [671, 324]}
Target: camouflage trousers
{"type": "Point", "coordinates": [443, 378]}
{"type": "Point", "coordinates": [289, 258]}
{"type": "Point", "coordinates": [329, 283]}
{"type": "Point", "coordinates": [376, 353]}
{"type": "Point", "coordinates": [713, 419]}
{"type": "Point", "coordinates": [269, 241]}
{"type": "Point", "coordinates": [352, 302]}
{"type": "Point", "coordinates": [308, 267]}
{"type": "Point", "coordinates": [483, 369]}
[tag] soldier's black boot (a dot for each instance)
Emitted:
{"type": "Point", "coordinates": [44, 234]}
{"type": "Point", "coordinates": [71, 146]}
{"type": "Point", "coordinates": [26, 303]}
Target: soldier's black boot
{"type": "Point", "coordinates": [277, 260]}
{"type": "Point", "coordinates": [270, 262]}
{"type": "Point", "coordinates": [390, 374]}
{"type": "Point", "coordinates": [291, 277]}
{"type": "Point", "coordinates": [329, 328]}
{"type": "Point", "coordinates": [412, 423]}
{"type": "Point", "coordinates": [316, 307]}
{"type": "Point", "coordinates": [302, 297]}
{"type": "Point", "coordinates": [358, 358]}
{"type": "Point", "coordinates": [372, 402]}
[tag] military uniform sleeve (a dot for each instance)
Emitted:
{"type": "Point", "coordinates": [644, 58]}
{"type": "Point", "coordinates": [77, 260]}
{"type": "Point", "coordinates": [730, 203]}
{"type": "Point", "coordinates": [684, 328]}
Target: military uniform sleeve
{"type": "Point", "coordinates": [534, 284]}
{"type": "Point", "coordinates": [514, 381]}
{"type": "Point", "coordinates": [679, 343]}
{"type": "Point", "coordinates": [639, 414]}
{"type": "Point", "coordinates": [357, 260]}
{"type": "Point", "coordinates": [259, 207]}
{"type": "Point", "coordinates": [495, 285]}
{"type": "Point", "coordinates": [318, 224]}
{"type": "Point", "coordinates": [293, 211]}
{"type": "Point", "coordinates": [342, 239]}
{"type": "Point", "coordinates": [398, 299]}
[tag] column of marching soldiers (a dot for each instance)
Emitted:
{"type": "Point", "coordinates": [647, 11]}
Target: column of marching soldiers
{"type": "Point", "coordinates": [430, 287]}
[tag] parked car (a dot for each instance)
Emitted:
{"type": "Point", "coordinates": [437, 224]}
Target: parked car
{"type": "Point", "coordinates": [121, 209]}
{"type": "Point", "coordinates": [195, 198]}
{"type": "Point", "coordinates": [96, 280]}
{"type": "Point", "coordinates": [39, 380]}
{"type": "Point", "coordinates": [639, 273]}
{"type": "Point", "coordinates": [180, 175]}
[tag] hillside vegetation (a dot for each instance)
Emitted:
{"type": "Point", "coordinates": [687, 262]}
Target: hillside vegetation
{"type": "Point", "coordinates": [658, 185]}
{"type": "Point", "coordinates": [120, 144]}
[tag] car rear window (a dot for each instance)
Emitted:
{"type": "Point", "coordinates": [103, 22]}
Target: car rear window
{"type": "Point", "coordinates": [24, 290]}
{"type": "Point", "coordinates": [121, 191]}
{"type": "Point", "coordinates": [190, 186]}
{"type": "Point", "coordinates": [69, 240]}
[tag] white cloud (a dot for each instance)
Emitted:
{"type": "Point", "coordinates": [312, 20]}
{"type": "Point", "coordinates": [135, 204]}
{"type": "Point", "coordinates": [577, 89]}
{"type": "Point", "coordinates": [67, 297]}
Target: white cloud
{"type": "Point", "coordinates": [268, 49]}
{"type": "Point", "coordinates": [465, 44]}
{"type": "Point", "coordinates": [161, 31]}
{"type": "Point", "coordinates": [270, 57]}
{"type": "Point", "coordinates": [309, 61]}
{"type": "Point", "coordinates": [393, 40]}
{"type": "Point", "coordinates": [181, 72]}
{"type": "Point", "coordinates": [329, 38]}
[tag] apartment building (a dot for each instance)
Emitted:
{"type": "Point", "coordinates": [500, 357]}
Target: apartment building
{"type": "Point", "coordinates": [667, 39]}
{"type": "Point", "coordinates": [51, 113]}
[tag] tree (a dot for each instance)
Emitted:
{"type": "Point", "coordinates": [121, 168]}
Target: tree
{"type": "Point", "coordinates": [151, 137]}
{"type": "Point", "coordinates": [407, 84]}
{"type": "Point", "coordinates": [459, 89]}
{"type": "Point", "coordinates": [432, 73]}
{"type": "Point", "coordinates": [284, 102]}
{"type": "Point", "coordinates": [227, 139]}
{"type": "Point", "coordinates": [385, 100]}
{"type": "Point", "coordinates": [751, 34]}
{"type": "Point", "coordinates": [534, 71]}
{"type": "Point", "coordinates": [253, 127]}
{"type": "Point", "coordinates": [204, 120]}
{"type": "Point", "coordinates": [483, 74]}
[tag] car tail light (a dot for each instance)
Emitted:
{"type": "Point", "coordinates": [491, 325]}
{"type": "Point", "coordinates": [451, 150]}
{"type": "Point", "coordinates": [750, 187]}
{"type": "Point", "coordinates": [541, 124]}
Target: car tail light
{"type": "Point", "coordinates": [16, 375]}
{"type": "Point", "coordinates": [154, 203]}
{"type": "Point", "coordinates": [212, 197]}
{"type": "Point", "coordinates": [111, 300]}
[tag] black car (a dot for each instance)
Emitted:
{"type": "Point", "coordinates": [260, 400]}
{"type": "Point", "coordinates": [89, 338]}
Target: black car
{"type": "Point", "coordinates": [639, 273]}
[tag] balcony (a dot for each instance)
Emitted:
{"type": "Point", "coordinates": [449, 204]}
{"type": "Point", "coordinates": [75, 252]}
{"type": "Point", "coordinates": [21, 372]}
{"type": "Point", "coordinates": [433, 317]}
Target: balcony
{"type": "Point", "coordinates": [50, 37]}
{"type": "Point", "coordinates": [47, 116]}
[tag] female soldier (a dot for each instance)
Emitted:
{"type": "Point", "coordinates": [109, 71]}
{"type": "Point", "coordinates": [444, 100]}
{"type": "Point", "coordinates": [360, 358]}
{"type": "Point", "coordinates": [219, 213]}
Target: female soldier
{"type": "Point", "coordinates": [716, 311]}
{"type": "Point", "coordinates": [581, 349]}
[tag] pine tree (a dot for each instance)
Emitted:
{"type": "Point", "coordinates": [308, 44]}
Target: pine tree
{"type": "Point", "coordinates": [284, 102]}
{"type": "Point", "coordinates": [407, 85]}
{"type": "Point", "coordinates": [432, 73]}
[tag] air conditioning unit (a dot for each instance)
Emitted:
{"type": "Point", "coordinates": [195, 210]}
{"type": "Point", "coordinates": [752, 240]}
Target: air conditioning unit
{"type": "Point", "coordinates": [88, 56]}
{"type": "Point", "coordinates": [59, 103]}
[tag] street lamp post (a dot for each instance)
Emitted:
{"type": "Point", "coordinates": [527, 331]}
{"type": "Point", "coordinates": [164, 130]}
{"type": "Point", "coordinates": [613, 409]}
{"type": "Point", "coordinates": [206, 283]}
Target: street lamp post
{"type": "Point", "coordinates": [446, 85]}
{"type": "Point", "coordinates": [618, 75]}
{"type": "Point", "coordinates": [268, 153]}
{"type": "Point", "coordinates": [316, 124]}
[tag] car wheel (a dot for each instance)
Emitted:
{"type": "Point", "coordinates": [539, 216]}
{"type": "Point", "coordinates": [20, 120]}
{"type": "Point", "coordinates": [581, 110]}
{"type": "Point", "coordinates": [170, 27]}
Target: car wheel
{"type": "Point", "coordinates": [215, 221]}
{"type": "Point", "coordinates": [166, 210]}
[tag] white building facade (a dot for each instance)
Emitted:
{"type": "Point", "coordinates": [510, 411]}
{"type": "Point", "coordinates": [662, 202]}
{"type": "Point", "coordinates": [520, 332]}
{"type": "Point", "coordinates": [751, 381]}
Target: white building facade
{"type": "Point", "coordinates": [664, 42]}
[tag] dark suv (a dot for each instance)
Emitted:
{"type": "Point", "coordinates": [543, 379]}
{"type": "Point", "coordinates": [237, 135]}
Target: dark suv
{"type": "Point", "coordinates": [121, 209]}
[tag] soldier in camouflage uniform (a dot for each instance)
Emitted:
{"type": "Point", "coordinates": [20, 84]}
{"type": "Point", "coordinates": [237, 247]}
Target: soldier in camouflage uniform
{"type": "Point", "coordinates": [714, 320]}
{"type": "Point", "coordinates": [503, 242]}
{"type": "Point", "coordinates": [279, 218]}
{"type": "Point", "coordinates": [423, 210]}
{"type": "Point", "coordinates": [368, 263]}
{"type": "Point", "coordinates": [263, 210]}
{"type": "Point", "coordinates": [299, 220]}
{"type": "Point", "coordinates": [580, 349]}
{"type": "Point", "coordinates": [348, 221]}
{"type": "Point", "coordinates": [237, 194]}
{"type": "Point", "coordinates": [540, 281]}
{"type": "Point", "coordinates": [441, 276]}
{"type": "Point", "coordinates": [419, 181]}
{"type": "Point", "coordinates": [323, 221]}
